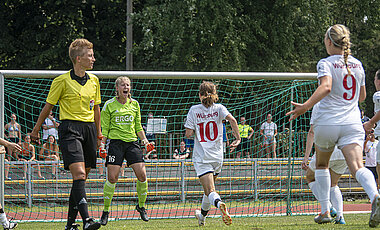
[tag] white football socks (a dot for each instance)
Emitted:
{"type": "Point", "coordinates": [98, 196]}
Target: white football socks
{"type": "Point", "coordinates": [322, 177]}
{"type": "Point", "coordinates": [4, 221]}
{"type": "Point", "coordinates": [337, 200]}
{"type": "Point", "coordinates": [206, 205]}
{"type": "Point", "coordinates": [366, 179]}
{"type": "Point", "coordinates": [212, 197]}
{"type": "Point", "coordinates": [315, 189]}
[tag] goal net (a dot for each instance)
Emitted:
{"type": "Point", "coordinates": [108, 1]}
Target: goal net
{"type": "Point", "coordinates": [253, 184]}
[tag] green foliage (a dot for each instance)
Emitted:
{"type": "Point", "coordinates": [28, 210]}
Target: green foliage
{"type": "Point", "coordinates": [188, 35]}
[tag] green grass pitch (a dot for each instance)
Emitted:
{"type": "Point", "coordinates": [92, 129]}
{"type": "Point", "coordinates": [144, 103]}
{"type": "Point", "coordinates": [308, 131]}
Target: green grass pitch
{"type": "Point", "coordinates": [354, 221]}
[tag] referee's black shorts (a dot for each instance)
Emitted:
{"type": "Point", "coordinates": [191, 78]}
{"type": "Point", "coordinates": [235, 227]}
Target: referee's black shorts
{"type": "Point", "coordinates": [77, 141]}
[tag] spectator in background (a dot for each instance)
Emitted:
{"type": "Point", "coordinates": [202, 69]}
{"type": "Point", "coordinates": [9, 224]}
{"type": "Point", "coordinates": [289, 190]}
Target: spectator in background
{"type": "Point", "coordinates": [269, 131]}
{"type": "Point", "coordinates": [13, 134]}
{"type": "Point", "coordinates": [245, 144]}
{"type": "Point", "coordinates": [370, 145]}
{"type": "Point", "coordinates": [50, 127]}
{"type": "Point", "coordinates": [225, 138]}
{"type": "Point", "coordinates": [50, 152]}
{"type": "Point", "coordinates": [28, 154]}
{"type": "Point", "coordinates": [182, 152]}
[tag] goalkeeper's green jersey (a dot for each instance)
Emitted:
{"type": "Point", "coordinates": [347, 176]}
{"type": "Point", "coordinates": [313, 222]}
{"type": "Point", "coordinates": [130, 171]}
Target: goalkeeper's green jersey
{"type": "Point", "coordinates": [121, 121]}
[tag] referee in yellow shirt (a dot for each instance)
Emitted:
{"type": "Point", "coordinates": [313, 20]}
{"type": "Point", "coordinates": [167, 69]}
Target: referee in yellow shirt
{"type": "Point", "coordinates": [245, 145]}
{"type": "Point", "coordinates": [79, 134]}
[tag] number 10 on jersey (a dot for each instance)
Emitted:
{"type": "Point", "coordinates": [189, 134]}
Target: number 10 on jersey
{"type": "Point", "coordinates": [205, 131]}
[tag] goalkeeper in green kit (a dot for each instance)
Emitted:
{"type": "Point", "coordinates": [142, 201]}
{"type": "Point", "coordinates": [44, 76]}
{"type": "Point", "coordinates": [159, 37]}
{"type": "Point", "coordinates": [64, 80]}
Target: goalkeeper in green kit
{"type": "Point", "coordinates": [121, 125]}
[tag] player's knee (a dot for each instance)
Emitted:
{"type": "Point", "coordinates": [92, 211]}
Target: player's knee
{"type": "Point", "coordinates": [112, 179]}
{"type": "Point", "coordinates": [141, 177]}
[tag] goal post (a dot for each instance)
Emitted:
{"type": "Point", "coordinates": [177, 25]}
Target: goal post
{"type": "Point", "coordinates": [252, 185]}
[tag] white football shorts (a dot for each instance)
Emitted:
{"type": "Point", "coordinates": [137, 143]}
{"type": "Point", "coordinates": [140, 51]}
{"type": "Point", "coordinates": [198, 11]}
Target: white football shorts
{"type": "Point", "coordinates": [327, 136]}
{"type": "Point", "coordinates": [204, 168]}
{"type": "Point", "coordinates": [338, 166]}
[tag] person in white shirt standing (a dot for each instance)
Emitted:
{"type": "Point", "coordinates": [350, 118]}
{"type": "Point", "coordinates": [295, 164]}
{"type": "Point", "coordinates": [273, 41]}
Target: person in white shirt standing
{"type": "Point", "coordinates": [269, 131]}
{"type": "Point", "coordinates": [336, 119]}
{"type": "Point", "coordinates": [50, 127]}
{"type": "Point", "coordinates": [370, 146]}
{"type": "Point", "coordinates": [205, 122]}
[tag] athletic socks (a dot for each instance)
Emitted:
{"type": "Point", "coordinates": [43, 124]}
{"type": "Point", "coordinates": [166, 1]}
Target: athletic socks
{"type": "Point", "coordinates": [366, 179]}
{"type": "Point", "coordinates": [206, 205]}
{"type": "Point", "coordinates": [315, 190]}
{"type": "Point", "coordinates": [337, 200]}
{"type": "Point", "coordinates": [322, 177]}
{"type": "Point", "coordinates": [79, 194]}
{"type": "Point", "coordinates": [214, 199]}
{"type": "Point", "coordinates": [4, 221]}
{"type": "Point", "coordinates": [142, 192]}
{"type": "Point", "coordinates": [108, 191]}
{"type": "Point", "coordinates": [73, 210]}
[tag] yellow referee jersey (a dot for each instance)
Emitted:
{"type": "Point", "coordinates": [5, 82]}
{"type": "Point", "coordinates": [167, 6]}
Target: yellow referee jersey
{"type": "Point", "coordinates": [76, 102]}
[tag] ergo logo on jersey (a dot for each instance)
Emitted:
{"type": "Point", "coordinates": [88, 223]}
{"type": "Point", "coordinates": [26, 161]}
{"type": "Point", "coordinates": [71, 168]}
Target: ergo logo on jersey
{"type": "Point", "coordinates": [124, 118]}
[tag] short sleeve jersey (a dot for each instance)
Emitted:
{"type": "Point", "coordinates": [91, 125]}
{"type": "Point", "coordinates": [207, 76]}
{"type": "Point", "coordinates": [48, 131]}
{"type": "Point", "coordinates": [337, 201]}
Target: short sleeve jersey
{"type": "Point", "coordinates": [208, 127]}
{"type": "Point", "coordinates": [376, 102]}
{"type": "Point", "coordinates": [243, 130]}
{"type": "Point", "coordinates": [268, 128]}
{"type": "Point", "coordinates": [76, 102]}
{"type": "Point", "coordinates": [121, 121]}
{"type": "Point", "coordinates": [340, 106]}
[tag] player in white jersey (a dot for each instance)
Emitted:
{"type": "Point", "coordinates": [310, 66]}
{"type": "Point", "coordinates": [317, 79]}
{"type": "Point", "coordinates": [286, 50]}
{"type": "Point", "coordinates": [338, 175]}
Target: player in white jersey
{"type": "Point", "coordinates": [336, 119]}
{"type": "Point", "coordinates": [337, 166]}
{"type": "Point", "coordinates": [368, 126]}
{"type": "Point", "coordinates": [205, 122]}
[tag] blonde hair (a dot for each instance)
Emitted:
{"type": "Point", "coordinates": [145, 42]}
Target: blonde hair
{"type": "Point", "coordinates": [77, 48]}
{"type": "Point", "coordinates": [117, 83]}
{"type": "Point", "coordinates": [340, 37]}
{"type": "Point", "coordinates": [207, 92]}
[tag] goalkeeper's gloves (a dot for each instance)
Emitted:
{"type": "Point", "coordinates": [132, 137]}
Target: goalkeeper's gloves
{"type": "Point", "coordinates": [102, 150]}
{"type": "Point", "coordinates": [149, 146]}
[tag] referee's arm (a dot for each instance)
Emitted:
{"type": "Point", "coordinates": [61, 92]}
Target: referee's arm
{"type": "Point", "coordinates": [98, 124]}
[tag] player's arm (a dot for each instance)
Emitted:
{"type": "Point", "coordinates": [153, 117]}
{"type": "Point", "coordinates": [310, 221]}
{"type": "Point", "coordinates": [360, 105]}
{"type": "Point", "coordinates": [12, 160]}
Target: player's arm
{"type": "Point", "coordinates": [41, 118]}
{"type": "Point", "coordinates": [11, 146]}
{"type": "Point", "coordinates": [98, 124]}
{"type": "Point", "coordinates": [322, 91]}
{"type": "Point", "coordinates": [362, 94]}
{"type": "Point", "coordinates": [189, 133]}
{"type": "Point", "coordinates": [368, 126]}
{"type": "Point", "coordinates": [235, 130]}
{"type": "Point", "coordinates": [309, 145]}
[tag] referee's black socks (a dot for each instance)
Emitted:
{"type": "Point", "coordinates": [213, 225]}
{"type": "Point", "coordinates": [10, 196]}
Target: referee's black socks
{"type": "Point", "coordinates": [73, 209]}
{"type": "Point", "coordinates": [79, 193]}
